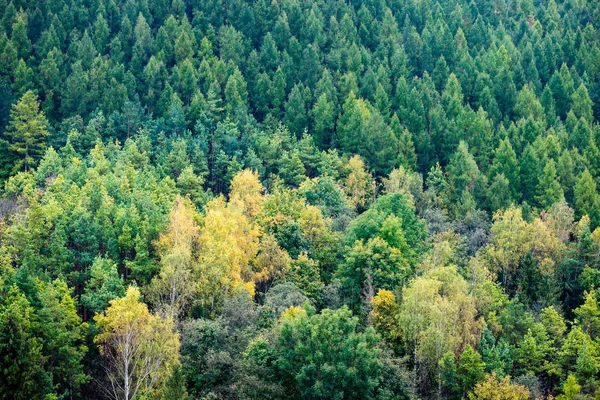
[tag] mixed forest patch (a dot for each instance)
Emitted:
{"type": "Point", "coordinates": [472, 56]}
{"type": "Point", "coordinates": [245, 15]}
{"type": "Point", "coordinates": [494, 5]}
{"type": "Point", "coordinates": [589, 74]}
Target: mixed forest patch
{"type": "Point", "coordinates": [318, 199]}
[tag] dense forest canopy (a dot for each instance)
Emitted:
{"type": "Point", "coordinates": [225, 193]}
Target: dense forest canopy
{"type": "Point", "coordinates": [318, 199]}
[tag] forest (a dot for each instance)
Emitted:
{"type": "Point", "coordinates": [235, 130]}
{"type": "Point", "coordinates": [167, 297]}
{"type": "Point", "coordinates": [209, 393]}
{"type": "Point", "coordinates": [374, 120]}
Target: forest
{"type": "Point", "coordinates": [299, 199]}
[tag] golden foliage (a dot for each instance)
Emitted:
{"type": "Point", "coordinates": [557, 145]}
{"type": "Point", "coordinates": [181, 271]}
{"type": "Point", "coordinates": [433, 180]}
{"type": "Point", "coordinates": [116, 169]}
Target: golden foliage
{"type": "Point", "coordinates": [493, 389]}
{"type": "Point", "coordinates": [139, 348]}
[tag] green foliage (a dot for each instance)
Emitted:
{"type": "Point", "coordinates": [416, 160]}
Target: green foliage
{"type": "Point", "coordinates": [27, 132]}
{"type": "Point", "coordinates": [371, 223]}
{"type": "Point", "coordinates": [312, 352]}
{"type": "Point", "coordinates": [104, 285]}
{"type": "Point", "coordinates": [470, 369]}
{"type": "Point", "coordinates": [347, 155]}
{"type": "Point", "coordinates": [21, 350]}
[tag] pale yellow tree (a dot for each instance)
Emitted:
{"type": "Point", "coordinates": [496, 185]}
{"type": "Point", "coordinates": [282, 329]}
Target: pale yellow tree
{"type": "Point", "coordinates": [510, 241]}
{"type": "Point", "coordinates": [359, 186]}
{"type": "Point", "coordinates": [139, 349]}
{"type": "Point", "coordinates": [596, 239]}
{"type": "Point", "coordinates": [228, 242]}
{"type": "Point", "coordinates": [493, 388]}
{"type": "Point", "coordinates": [513, 238]}
{"type": "Point", "coordinates": [173, 288]}
{"type": "Point", "coordinates": [414, 316]}
{"type": "Point", "coordinates": [442, 252]}
{"type": "Point", "coordinates": [247, 193]}
{"type": "Point", "coordinates": [560, 219]}
{"type": "Point", "coordinates": [438, 315]}
{"type": "Point", "coordinates": [403, 181]}
{"type": "Point", "coordinates": [545, 246]}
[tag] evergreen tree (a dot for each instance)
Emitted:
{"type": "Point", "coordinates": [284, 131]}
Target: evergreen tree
{"type": "Point", "coordinates": [295, 111]}
{"type": "Point", "coordinates": [350, 124]}
{"type": "Point", "coordinates": [323, 122]}
{"type": "Point", "coordinates": [586, 198]}
{"type": "Point", "coordinates": [596, 100]}
{"type": "Point", "coordinates": [505, 163]}
{"type": "Point", "coordinates": [21, 355]}
{"type": "Point", "coordinates": [408, 156]}
{"type": "Point", "coordinates": [499, 193]}
{"type": "Point", "coordinates": [549, 189]}
{"type": "Point", "coordinates": [582, 104]}
{"type": "Point", "coordinates": [27, 132]}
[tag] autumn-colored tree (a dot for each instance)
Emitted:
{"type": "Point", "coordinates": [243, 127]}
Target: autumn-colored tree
{"type": "Point", "coordinates": [359, 184]}
{"type": "Point", "coordinates": [173, 288]}
{"type": "Point", "coordinates": [247, 193]}
{"type": "Point", "coordinates": [384, 317]}
{"type": "Point", "coordinates": [510, 241]}
{"type": "Point", "coordinates": [228, 242]}
{"type": "Point", "coordinates": [139, 349]}
{"type": "Point", "coordinates": [437, 315]}
{"type": "Point", "coordinates": [494, 389]}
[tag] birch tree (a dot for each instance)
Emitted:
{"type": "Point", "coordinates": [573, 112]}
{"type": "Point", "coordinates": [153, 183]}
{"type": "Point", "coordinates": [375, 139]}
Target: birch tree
{"type": "Point", "coordinates": [172, 289]}
{"type": "Point", "coordinates": [139, 349]}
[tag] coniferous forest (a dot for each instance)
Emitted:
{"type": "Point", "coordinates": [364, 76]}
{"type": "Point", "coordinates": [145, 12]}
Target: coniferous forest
{"type": "Point", "coordinates": [299, 199]}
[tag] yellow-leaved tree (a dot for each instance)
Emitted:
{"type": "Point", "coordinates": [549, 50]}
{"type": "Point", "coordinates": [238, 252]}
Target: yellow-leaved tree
{"type": "Point", "coordinates": [229, 242]}
{"type": "Point", "coordinates": [493, 388]}
{"type": "Point", "coordinates": [247, 193]}
{"type": "Point", "coordinates": [437, 315]}
{"type": "Point", "coordinates": [173, 288]}
{"type": "Point", "coordinates": [139, 349]}
{"type": "Point", "coordinates": [359, 185]}
{"type": "Point", "coordinates": [385, 318]}
{"type": "Point", "coordinates": [205, 258]}
{"type": "Point", "coordinates": [514, 238]}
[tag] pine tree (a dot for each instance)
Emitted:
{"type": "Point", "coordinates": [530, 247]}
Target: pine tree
{"type": "Point", "coordinates": [586, 366]}
{"type": "Point", "coordinates": [350, 125]}
{"type": "Point", "coordinates": [21, 359]}
{"type": "Point", "coordinates": [261, 97]}
{"type": "Point", "coordinates": [586, 198]}
{"type": "Point", "coordinates": [236, 94]}
{"type": "Point", "coordinates": [291, 169]}
{"type": "Point", "coordinates": [295, 111]}
{"type": "Point", "coordinates": [581, 104]}
{"type": "Point", "coordinates": [505, 91]}
{"type": "Point", "coordinates": [269, 55]}
{"type": "Point", "coordinates": [596, 100]}
{"type": "Point", "coordinates": [499, 193]}
{"type": "Point", "coordinates": [448, 375]}
{"type": "Point", "coordinates": [549, 189]}
{"type": "Point", "coordinates": [27, 132]}
{"type": "Point", "coordinates": [462, 172]}
{"type": "Point", "coordinates": [323, 122]}
{"type": "Point", "coordinates": [505, 162]}
{"type": "Point", "coordinates": [561, 85]}
{"type": "Point", "coordinates": [491, 353]}
{"type": "Point", "coordinates": [408, 156]}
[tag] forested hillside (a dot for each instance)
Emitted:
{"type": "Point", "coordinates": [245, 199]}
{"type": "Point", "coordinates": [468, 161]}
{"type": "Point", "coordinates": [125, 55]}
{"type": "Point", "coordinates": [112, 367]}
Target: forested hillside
{"type": "Point", "coordinates": [299, 199]}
